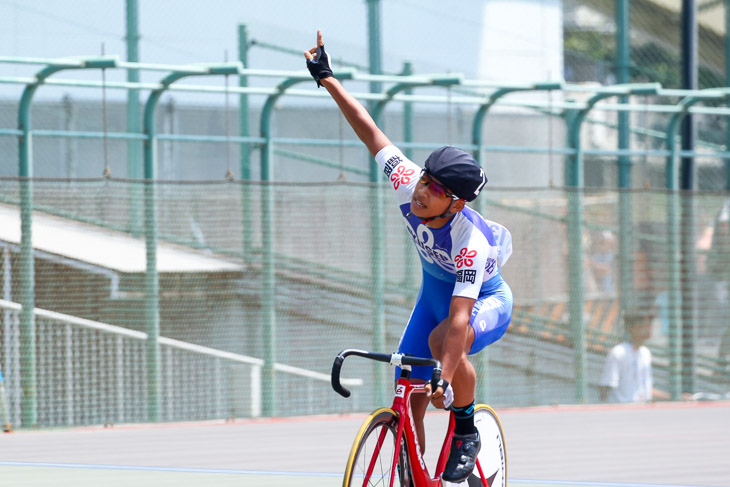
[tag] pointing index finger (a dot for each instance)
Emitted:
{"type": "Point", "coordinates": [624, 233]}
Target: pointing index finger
{"type": "Point", "coordinates": [319, 38]}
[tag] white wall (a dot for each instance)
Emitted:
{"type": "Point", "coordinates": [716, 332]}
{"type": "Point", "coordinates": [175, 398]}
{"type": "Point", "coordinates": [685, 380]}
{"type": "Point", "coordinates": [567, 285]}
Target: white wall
{"type": "Point", "coordinates": [522, 41]}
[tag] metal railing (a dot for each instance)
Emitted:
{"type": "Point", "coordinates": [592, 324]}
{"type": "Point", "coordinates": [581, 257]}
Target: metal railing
{"type": "Point", "coordinates": [94, 373]}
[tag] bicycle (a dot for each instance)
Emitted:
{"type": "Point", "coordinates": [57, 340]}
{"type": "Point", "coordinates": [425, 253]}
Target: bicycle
{"type": "Point", "coordinates": [386, 450]}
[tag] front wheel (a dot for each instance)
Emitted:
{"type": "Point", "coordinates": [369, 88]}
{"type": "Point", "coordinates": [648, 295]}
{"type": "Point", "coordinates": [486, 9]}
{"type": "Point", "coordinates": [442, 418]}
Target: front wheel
{"type": "Point", "coordinates": [371, 458]}
{"type": "Point", "coordinates": [491, 469]}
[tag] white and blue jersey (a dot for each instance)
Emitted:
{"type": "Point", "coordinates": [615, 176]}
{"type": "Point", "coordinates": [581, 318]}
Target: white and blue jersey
{"type": "Point", "coordinates": [462, 258]}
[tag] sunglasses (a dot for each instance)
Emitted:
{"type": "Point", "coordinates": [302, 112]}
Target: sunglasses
{"type": "Point", "coordinates": [436, 188]}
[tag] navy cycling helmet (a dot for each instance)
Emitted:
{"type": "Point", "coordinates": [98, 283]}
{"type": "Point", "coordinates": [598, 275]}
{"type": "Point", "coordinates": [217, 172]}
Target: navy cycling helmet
{"type": "Point", "coordinates": [458, 171]}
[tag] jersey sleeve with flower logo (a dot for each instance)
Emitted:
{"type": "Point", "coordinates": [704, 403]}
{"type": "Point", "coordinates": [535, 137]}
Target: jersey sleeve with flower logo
{"type": "Point", "coordinates": [466, 251]}
{"type": "Point", "coordinates": [402, 173]}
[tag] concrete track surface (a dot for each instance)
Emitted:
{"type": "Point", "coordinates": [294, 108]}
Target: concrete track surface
{"type": "Point", "coordinates": [663, 444]}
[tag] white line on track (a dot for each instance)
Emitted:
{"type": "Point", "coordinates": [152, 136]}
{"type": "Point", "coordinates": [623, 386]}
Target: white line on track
{"type": "Point", "coordinates": [561, 483]}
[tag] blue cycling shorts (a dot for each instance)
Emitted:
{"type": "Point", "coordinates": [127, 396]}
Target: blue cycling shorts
{"type": "Point", "coordinates": [490, 318]}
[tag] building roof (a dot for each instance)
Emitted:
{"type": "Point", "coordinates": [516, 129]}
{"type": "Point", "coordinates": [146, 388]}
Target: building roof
{"type": "Point", "coordinates": [106, 248]}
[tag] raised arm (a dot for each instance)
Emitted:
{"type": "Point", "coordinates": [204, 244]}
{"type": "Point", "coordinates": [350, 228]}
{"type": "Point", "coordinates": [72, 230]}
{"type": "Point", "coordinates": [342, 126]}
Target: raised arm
{"type": "Point", "coordinates": [355, 114]}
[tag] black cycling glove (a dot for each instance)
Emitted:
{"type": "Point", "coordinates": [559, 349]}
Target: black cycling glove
{"type": "Point", "coordinates": [320, 68]}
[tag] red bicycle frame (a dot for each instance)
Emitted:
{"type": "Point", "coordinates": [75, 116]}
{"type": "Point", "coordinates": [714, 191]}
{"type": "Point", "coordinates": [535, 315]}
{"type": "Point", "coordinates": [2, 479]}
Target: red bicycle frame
{"type": "Point", "coordinates": [401, 405]}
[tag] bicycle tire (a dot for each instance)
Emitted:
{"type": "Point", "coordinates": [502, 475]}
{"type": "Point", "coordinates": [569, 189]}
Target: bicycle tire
{"type": "Point", "coordinates": [382, 421]}
{"type": "Point", "coordinates": [493, 454]}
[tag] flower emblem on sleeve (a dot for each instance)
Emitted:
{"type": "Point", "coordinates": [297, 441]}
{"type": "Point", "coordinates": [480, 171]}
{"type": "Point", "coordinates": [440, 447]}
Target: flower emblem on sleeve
{"type": "Point", "coordinates": [401, 176]}
{"type": "Point", "coordinates": [465, 258]}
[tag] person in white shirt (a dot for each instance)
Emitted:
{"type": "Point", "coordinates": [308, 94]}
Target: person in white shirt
{"type": "Point", "coordinates": [4, 411]}
{"type": "Point", "coordinates": [627, 374]}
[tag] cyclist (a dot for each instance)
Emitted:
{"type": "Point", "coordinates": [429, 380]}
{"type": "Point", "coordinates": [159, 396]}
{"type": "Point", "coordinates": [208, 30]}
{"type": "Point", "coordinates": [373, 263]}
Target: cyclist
{"type": "Point", "coordinates": [464, 304]}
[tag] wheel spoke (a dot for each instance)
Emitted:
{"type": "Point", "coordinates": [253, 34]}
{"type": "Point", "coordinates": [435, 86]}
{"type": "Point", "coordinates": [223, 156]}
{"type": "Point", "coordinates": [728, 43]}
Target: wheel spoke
{"type": "Point", "coordinates": [372, 465]}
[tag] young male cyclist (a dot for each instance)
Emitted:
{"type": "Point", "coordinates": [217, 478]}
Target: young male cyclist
{"type": "Point", "coordinates": [464, 304]}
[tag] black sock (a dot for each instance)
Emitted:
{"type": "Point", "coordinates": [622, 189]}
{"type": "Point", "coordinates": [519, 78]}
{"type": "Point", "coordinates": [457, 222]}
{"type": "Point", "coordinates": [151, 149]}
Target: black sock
{"type": "Point", "coordinates": [464, 419]}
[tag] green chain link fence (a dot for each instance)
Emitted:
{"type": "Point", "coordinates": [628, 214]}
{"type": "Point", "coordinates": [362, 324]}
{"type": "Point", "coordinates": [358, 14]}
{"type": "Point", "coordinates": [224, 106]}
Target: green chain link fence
{"type": "Point", "coordinates": [90, 326]}
{"type": "Point", "coordinates": [258, 284]}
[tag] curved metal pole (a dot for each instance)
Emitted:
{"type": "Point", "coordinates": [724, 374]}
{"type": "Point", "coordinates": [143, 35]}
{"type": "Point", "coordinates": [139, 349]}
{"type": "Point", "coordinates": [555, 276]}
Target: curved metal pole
{"type": "Point", "coordinates": [574, 173]}
{"type": "Point", "coordinates": [132, 41]}
{"type": "Point", "coordinates": [478, 123]}
{"type": "Point", "coordinates": [671, 175]}
{"type": "Point", "coordinates": [267, 111]}
{"type": "Point", "coordinates": [28, 379]}
{"type": "Point", "coordinates": [446, 80]}
{"type": "Point", "coordinates": [245, 158]}
{"type": "Point", "coordinates": [477, 140]}
{"type": "Point", "coordinates": [268, 233]}
{"type": "Point", "coordinates": [574, 180]}
{"type": "Point", "coordinates": [477, 126]}
{"type": "Point", "coordinates": [267, 239]}
{"type": "Point", "coordinates": [674, 240]}
{"type": "Point", "coordinates": [152, 282]}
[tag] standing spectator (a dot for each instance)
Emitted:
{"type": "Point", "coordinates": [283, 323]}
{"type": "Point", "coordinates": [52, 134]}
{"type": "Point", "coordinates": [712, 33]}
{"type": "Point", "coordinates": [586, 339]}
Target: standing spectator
{"type": "Point", "coordinates": [4, 411]}
{"type": "Point", "coordinates": [627, 374]}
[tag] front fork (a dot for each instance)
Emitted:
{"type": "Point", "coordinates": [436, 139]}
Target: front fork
{"type": "Point", "coordinates": [398, 445]}
{"type": "Point", "coordinates": [420, 475]}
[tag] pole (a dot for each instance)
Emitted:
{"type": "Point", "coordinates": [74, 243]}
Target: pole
{"type": "Point", "coordinates": [28, 377]}
{"type": "Point", "coordinates": [376, 211]}
{"type": "Point", "coordinates": [244, 131]}
{"type": "Point", "coordinates": [375, 51]}
{"type": "Point", "coordinates": [268, 241]}
{"type": "Point", "coordinates": [623, 64]}
{"type": "Point", "coordinates": [687, 182]}
{"type": "Point", "coordinates": [575, 226]}
{"type": "Point", "coordinates": [133, 125]}
{"type": "Point", "coordinates": [152, 282]}
{"type": "Point", "coordinates": [727, 83]}
{"type": "Point", "coordinates": [26, 269]}
{"type": "Point", "coordinates": [410, 257]}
